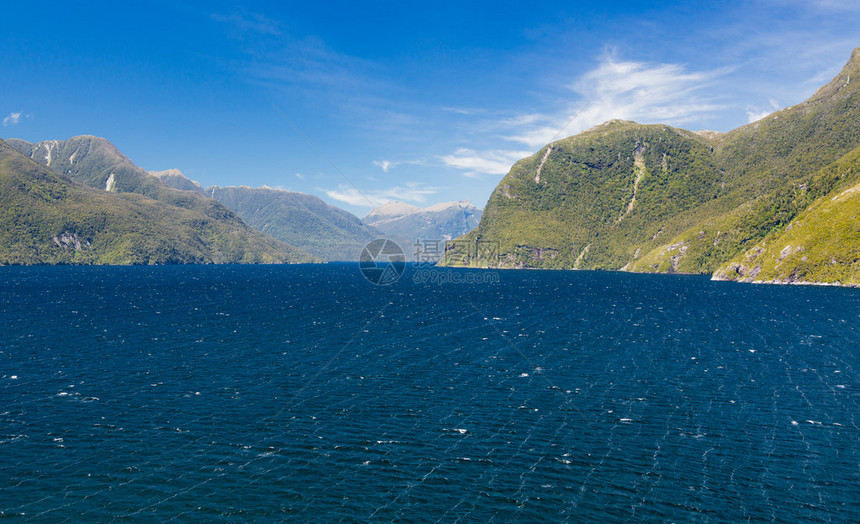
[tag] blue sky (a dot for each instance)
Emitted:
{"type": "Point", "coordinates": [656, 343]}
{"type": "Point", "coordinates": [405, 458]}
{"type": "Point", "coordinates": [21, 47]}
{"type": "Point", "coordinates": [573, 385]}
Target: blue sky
{"type": "Point", "coordinates": [419, 102]}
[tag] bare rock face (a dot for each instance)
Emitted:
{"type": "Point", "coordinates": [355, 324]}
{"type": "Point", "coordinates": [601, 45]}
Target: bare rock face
{"type": "Point", "coordinates": [67, 239]}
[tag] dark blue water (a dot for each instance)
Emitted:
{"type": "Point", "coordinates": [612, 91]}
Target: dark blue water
{"type": "Point", "coordinates": [260, 393]}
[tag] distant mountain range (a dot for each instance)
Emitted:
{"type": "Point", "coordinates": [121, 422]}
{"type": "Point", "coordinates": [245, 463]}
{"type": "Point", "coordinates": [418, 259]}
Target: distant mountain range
{"type": "Point", "coordinates": [327, 231]}
{"type": "Point", "coordinates": [438, 222]}
{"type": "Point", "coordinates": [772, 201]}
{"type": "Point", "coordinates": [103, 209]}
{"type": "Point", "coordinates": [299, 219]}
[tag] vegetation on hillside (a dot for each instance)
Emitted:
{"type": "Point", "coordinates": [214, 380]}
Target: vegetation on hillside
{"type": "Point", "coordinates": [95, 162]}
{"type": "Point", "coordinates": [821, 245]}
{"type": "Point", "coordinates": [299, 219]}
{"type": "Point", "coordinates": [710, 244]}
{"type": "Point", "coordinates": [48, 219]}
{"type": "Point", "coordinates": [611, 188]}
{"type": "Point", "coordinates": [655, 198]}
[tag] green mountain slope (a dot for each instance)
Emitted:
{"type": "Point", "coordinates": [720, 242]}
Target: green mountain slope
{"type": "Point", "coordinates": [655, 198]}
{"type": "Point", "coordinates": [299, 219]}
{"type": "Point", "coordinates": [46, 218]}
{"type": "Point", "coordinates": [821, 245]}
{"type": "Point", "coordinates": [96, 163]}
{"type": "Point", "coordinates": [590, 201]}
{"type": "Point", "coordinates": [710, 244]}
{"type": "Point", "coordinates": [768, 167]}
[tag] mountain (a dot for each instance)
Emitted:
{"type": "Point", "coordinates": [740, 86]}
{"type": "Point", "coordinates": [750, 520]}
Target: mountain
{"type": "Point", "coordinates": [773, 166]}
{"type": "Point", "coordinates": [820, 245]}
{"type": "Point", "coordinates": [438, 222]}
{"type": "Point", "coordinates": [175, 179]}
{"type": "Point", "coordinates": [327, 231]}
{"type": "Point", "coordinates": [391, 211]}
{"type": "Point", "coordinates": [299, 219]}
{"type": "Point", "coordinates": [96, 163]}
{"type": "Point", "coordinates": [656, 198]}
{"type": "Point", "coordinates": [584, 201]}
{"type": "Point", "coordinates": [46, 218]}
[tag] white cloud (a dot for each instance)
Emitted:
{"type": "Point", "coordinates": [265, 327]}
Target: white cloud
{"type": "Point", "coordinates": [300, 176]}
{"type": "Point", "coordinates": [615, 89]}
{"type": "Point", "coordinates": [249, 22]}
{"type": "Point", "coordinates": [462, 110]}
{"type": "Point", "coordinates": [755, 114]}
{"type": "Point", "coordinates": [384, 164]}
{"type": "Point", "coordinates": [411, 192]}
{"type": "Point", "coordinates": [491, 162]}
{"type": "Point", "coordinates": [12, 119]}
{"type": "Point", "coordinates": [624, 90]}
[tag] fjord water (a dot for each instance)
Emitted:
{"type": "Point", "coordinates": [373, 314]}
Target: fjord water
{"type": "Point", "coordinates": [236, 393]}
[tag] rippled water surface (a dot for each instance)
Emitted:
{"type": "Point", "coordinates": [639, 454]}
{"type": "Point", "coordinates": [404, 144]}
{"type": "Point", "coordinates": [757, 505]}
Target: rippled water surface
{"type": "Point", "coordinates": [239, 393]}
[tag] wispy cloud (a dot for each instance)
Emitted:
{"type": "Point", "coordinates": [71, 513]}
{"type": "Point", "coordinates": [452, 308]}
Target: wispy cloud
{"type": "Point", "coordinates": [383, 164]}
{"type": "Point", "coordinates": [834, 5]}
{"type": "Point", "coordinates": [411, 192]}
{"type": "Point", "coordinates": [477, 163]}
{"type": "Point", "coordinates": [289, 62]}
{"type": "Point", "coordinates": [463, 110]}
{"type": "Point", "coordinates": [12, 119]}
{"type": "Point", "coordinates": [615, 89]}
{"type": "Point", "coordinates": [249, 22]}
{"type": "Point", "coordinates": [626, 90]}
{"type": "Point", "coordinates": [388, 165]}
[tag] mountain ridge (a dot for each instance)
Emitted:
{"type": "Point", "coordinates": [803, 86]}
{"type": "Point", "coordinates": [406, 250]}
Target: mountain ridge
{"type": "Point", "coordinates": [299, 219]}
{"type": "Point", "coordinates": [48, 218]}
{"type": "Point", "coordinates": [438, 222]}
{"type": "Point", "coordinates": [330, 232]}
